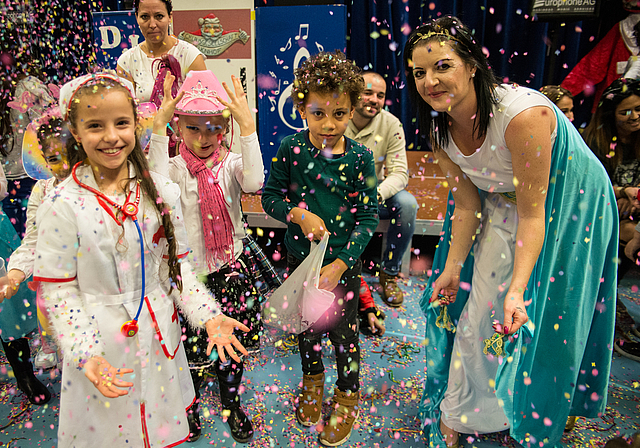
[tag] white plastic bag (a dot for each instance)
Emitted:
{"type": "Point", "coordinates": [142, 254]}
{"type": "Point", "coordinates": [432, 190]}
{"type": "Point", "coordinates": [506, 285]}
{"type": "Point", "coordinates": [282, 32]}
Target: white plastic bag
{"type": "Point", "coordinates": [299, 303]}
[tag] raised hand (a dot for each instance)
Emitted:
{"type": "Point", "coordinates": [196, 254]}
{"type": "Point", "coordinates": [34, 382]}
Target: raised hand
{"type": "Point", "coordinates": [105, 377]}
{"type": "Point", "coordinates": [220, 331]}
{"type": "Point", "coordinates": [239, 107]}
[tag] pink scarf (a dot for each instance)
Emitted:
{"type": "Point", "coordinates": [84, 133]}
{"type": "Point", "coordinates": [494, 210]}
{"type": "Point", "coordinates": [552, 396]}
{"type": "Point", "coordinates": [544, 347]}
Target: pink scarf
{"type": "Point", "coordinates": [216, 222]}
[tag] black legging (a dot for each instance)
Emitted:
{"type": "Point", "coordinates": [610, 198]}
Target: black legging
{"type": "Point", "coordinates": [341, 323]}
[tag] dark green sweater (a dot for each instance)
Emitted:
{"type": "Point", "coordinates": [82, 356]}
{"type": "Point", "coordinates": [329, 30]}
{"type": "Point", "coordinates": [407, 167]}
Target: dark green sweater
{"type": "Point", "coordinates": [341, 190]}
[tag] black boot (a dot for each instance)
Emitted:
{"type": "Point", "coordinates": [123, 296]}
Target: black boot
{"type": "Point", "coordinates": [18, 354]}
{"type": "Point", "coordinates": [229, 379]}
{"type": "Point", "coordinates": [193, 413]}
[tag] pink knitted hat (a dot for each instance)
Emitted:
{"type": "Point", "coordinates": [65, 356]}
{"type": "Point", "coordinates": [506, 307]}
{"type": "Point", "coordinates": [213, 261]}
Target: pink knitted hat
{"type": "Point", "coordinates": [201, 92]}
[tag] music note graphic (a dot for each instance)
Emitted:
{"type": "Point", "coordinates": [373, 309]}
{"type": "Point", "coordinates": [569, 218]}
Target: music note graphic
{"type": "Point", "coordinates": [287, 46]}
{"type": "Point", "coordinates": [303, 26]}
{"type": "Point", "coordinates": [278, 61]}
{"type": "Point", "coordinates": [320, 47]}
{"type": "Point", "coordinates": [273, 103]}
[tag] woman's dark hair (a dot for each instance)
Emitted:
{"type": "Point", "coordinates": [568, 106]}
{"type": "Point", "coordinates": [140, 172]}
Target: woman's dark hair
{"type": "Point", "coordinates": [449, 29]}
{"type": "Point", "coordinates": [167, 3]}
{"type": "Point", "coordinates": [140, 164]}
{"type": "Point", "coordinates": [601, 135]}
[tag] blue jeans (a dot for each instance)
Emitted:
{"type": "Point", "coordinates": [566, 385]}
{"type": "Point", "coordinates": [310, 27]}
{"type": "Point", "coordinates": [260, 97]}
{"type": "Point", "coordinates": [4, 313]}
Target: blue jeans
{"type": "Point", "coordinates": [401, 210]}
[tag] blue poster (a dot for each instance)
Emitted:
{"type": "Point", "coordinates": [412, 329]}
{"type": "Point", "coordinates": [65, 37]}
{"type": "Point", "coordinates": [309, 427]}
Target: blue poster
{"type": "Point", "coordinates": [113, 33]}
{"type": "Point", "coordinates": [285, 37]}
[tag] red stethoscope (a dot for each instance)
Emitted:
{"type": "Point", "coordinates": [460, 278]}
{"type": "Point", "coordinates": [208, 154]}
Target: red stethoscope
{"type": "Point", "coordinates": [129, 210]}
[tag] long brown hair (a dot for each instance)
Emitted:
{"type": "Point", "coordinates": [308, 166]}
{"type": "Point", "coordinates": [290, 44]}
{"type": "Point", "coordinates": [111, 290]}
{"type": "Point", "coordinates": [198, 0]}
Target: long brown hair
{"type": "Point", "coordinates": [601, 135]}
{"type": "Point", "coordinates": [140, 165]}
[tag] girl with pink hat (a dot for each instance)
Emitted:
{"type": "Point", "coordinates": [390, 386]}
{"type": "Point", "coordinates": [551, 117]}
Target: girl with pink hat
{"type": "Point", "coordinates": [212, 180]}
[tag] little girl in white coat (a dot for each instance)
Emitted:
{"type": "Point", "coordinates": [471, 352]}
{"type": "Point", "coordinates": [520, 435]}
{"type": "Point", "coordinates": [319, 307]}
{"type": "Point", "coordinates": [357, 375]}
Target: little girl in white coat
{"type": "Point", "coordinates": [110, 238]}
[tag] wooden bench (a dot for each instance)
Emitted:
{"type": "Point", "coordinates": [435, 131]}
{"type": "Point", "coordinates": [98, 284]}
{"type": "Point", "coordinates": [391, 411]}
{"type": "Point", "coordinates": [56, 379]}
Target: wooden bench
{"type": "Point", "coordinates": [425, 184]}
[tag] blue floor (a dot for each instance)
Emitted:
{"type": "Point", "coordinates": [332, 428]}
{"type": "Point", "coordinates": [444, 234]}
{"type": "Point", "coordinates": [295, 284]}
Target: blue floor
{"type": "Point", "coordinates": [392, 378]}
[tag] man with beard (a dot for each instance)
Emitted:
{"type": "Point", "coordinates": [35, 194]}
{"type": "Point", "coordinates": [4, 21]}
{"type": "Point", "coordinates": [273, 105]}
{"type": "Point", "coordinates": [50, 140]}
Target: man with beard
{"type": "Point", "coordinates": [382, 132]}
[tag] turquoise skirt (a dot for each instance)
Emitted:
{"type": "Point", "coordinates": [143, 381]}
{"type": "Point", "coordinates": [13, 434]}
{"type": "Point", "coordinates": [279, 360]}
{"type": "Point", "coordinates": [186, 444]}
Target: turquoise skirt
{"type": "Point", "coordinates": [18, 315]}
{"type": "Point", "coordinates": [559, 365]}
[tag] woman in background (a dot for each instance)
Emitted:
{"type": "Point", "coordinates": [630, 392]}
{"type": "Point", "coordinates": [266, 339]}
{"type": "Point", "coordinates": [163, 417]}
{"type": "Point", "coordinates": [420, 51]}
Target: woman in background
{"type": "Point", "coordinates": [561, 97]}
{"type": "Point", "coordinates": [145, 62]}
{"type": "Point", "coordinates": [614, 136]}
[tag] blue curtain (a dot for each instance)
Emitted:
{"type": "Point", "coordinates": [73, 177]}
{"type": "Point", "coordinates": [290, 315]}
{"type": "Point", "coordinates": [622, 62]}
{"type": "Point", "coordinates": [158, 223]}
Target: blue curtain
{"type": "Point", "coordinates": [520, 49]}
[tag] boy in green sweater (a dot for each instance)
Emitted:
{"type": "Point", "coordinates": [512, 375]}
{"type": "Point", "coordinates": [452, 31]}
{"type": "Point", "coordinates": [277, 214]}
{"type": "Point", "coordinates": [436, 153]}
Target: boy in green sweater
{"type": "Point", "coordinates": [322, 181]}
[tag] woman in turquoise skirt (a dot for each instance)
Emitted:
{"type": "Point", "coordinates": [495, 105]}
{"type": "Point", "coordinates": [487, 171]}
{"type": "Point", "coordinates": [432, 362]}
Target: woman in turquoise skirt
{"type": "Point", "coordinates": [520, 305]}
{"type": "Point", "coordinates": [18, 317]}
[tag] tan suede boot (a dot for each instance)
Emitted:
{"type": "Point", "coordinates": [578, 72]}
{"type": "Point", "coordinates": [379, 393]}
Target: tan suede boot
{"type": "Point", "coordinates": [346, 407]}
{"type": "Point", "coordinates": [310, 400]}
{"type": "Point", "coordinates": [391, 292]}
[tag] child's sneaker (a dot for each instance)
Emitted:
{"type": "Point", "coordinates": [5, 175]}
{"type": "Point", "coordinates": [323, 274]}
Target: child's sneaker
{"type": "Point", "coordinates": [310, 401]}
{"type": "Point", "coordinates": [45, 361]}
{"type": "Point", "coordinates": [346, 407]}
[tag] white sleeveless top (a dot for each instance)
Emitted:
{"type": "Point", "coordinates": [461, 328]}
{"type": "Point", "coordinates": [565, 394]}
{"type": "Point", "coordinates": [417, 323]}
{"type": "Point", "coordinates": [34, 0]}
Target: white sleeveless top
{"type": "Point", "coordinates": [489, 168]}
{"type": "Point", "coordinates": [141, 68]}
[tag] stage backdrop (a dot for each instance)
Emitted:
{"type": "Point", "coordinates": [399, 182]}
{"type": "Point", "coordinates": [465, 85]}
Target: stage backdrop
{"type": "Point", "coordinates": [286, 36]}
{"type": "Point", "coordinates": [113, 33]}
{"type": "Point", "coordinates": [228, 42]}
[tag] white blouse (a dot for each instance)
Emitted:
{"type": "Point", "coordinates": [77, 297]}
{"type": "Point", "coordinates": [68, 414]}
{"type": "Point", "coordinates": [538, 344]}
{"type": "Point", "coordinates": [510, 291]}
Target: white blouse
{"type": "Point", "coordinates": [239, 173]}
{"type": "Point", "coordinates": [142, 70]}
{"type": "Point", "coordinates": [489, 168]}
